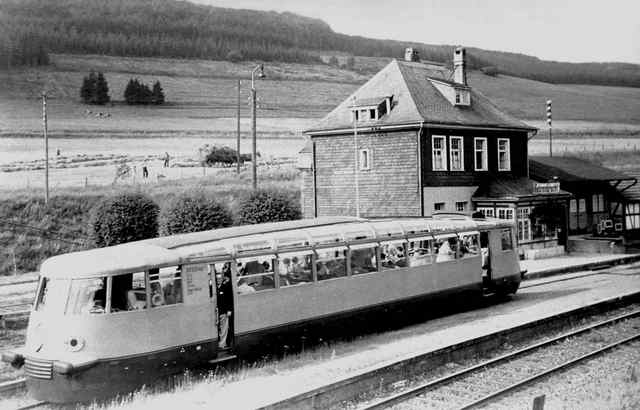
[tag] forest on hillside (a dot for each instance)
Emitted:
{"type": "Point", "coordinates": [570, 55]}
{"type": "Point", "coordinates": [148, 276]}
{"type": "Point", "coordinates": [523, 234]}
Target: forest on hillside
{"type": "Point", "coordinates": [29, 29]}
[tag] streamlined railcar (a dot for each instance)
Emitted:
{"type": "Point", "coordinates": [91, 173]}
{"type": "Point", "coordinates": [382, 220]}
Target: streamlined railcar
{"type": "Point", "coordinates": [111, 319]}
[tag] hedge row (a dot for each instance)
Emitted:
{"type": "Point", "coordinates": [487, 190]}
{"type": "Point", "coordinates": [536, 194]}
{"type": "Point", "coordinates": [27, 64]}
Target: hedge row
{"type": "Point", "coordinates": [32, 232]}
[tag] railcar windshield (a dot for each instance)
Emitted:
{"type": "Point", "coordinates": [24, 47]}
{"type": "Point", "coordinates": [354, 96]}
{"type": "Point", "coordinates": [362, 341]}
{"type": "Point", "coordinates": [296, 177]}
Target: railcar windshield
{"type": "Point", "coordinates": [52, 295]}
{"type": "Point", "coordinates": [87, 296]}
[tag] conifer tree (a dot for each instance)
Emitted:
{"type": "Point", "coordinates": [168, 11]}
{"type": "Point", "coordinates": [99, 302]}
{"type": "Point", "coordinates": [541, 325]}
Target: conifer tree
{"type": "Point", "coordinates": [130, 92]}
{"type": "Point", "coordinates": [101, 96]}
{"type": "Point", "coordinates": [85, 90]}
{"type": "Point", "coordinates": [157, 95]}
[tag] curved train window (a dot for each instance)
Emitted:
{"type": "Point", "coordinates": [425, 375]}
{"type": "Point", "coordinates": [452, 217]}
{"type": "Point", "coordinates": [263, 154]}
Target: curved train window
{"type": "Point", "coordinates": [469, 244]}
{"type": "Point", "coordinates": [393, 255]}
{"type": "Point", "coordinates": [295, 268]}
{"type": "Point", "coordinates": [419, 251]}
{"type": "Point", "coordinates": [331, 263]}
{"type": "Point", "coordinates": [445, 248]}
{"type": "Point", "coordinates": [128, 292]}
{"type": "Point", "coordinates": [52, 295]}
{"type": "Point", "coordinates": [505, 239]}
{"type": "Point", "coordinates": [256, 272]}
{"type": "Point", "coordinates": [364, 258]}
{"type": "Point", "coordinates": [165, 285]}
{"type": "Point", "coordinates": [87, 296]}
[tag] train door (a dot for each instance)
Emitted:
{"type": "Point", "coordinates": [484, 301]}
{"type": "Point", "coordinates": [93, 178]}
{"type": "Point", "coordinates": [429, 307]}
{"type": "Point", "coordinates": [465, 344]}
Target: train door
{"type": "Point", "coordinates": [199, 319]}
{"type": "Point", "coordinates": [485, 250]}
{"type": "Point", "coordinates": [503, 260]}
{"type": "Point", "coordinates": [221, 292]}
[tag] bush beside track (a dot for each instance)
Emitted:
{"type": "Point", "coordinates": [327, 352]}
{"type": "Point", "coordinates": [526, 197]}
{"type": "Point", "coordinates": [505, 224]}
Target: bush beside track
{"type": "Point", "coordinates": [31, 232]}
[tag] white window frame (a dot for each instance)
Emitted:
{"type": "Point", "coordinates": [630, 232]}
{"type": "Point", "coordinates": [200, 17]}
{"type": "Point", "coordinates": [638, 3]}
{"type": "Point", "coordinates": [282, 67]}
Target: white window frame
{"type": "Point", "coordinates": [485, 151]}
{"type": "Point", "coordinates": [524, 224]}
{"type": "Point", "coordinates": [508, 154]}
{"type": "Point", "coordinates": [488, 212]}
{"type": "Point", "coordinates": [464, 206]}
{"type": "Point", "coordinates": [461, 152]}
{"type": "Point", "coordinates": [364, 165]}
{"type": "Point", "coordinates": [443, 152]}
{"type": "Point", "coordinates": [507, 213]}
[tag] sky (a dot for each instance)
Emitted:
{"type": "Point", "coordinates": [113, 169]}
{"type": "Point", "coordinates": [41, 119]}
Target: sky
{"type": "Point", "coordinates": [562, 30]}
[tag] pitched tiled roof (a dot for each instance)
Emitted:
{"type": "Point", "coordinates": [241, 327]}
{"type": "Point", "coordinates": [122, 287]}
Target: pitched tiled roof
{"type": "Point", "coordinates": [365, 102]}
{"type": "Point", "coordinates": [509, 188]}
{"type": "Point", "coordinates": [570, 169]}
{"type": "Point", "coordinates": [416, 100]}
{"type": "Point", "coordinates": [631, 191]}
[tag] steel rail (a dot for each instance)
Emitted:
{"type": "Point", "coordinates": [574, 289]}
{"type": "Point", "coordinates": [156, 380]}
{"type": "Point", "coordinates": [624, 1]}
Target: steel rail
{"type": "Point", "coordinates": [14, 313]}
{"type": "Point", "coordinates": [13, 386]}
{"type": "Point", "coordinates": [562, 279]}
{"type": "Point", "coordinates": [417, 390]}
{"type": "Point", "coordinates": [20, 282]}
{"type": "Point", "coordinates": [2, 307]}
{"type": "Point", "coordinates": [33, 405]}
{"type": "Point", "coordinates": [547, 372]}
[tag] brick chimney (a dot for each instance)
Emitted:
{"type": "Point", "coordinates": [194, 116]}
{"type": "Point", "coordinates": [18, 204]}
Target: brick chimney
{"type": "Point", "coordinates": [459, 71]}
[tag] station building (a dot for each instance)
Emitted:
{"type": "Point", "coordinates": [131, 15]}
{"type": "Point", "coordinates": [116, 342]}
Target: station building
{"type": "Point", "coordinates": [417, 139]}
{"type": "Point", "coordinates": [605, 202]}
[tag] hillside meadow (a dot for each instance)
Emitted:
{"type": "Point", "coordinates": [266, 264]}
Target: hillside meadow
{"type": "Point", "coordinates": [202, 97]}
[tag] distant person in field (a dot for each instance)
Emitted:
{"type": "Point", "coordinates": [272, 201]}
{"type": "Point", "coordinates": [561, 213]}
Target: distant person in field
{"type": "Point", "coordinates": [145, 171]}
{"type": "Point", "coordinates": [166, 160]}
{"type": "Point", "coordinates": [58, 152]}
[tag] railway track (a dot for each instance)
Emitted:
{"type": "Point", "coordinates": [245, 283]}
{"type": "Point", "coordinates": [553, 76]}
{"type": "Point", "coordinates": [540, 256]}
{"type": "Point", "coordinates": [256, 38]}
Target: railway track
{"type": "Point", "coordinates": [33, 405]}
{"type": "Point", "coordinates": [13, 386]}
{"type": "Point", "coordinates": [456, 381]}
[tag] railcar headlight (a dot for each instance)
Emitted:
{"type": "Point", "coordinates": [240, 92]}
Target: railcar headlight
{"type": "Point", "coordinates": [74, 344]}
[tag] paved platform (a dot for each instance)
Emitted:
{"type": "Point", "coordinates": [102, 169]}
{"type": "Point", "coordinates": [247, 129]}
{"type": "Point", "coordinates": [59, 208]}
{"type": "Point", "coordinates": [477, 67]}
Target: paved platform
{"type": "Point", "coordinates": [295, 375]}
{"type": "Point", "coordinates": [571, 263]}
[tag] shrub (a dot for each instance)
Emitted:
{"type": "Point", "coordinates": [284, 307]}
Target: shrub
{"type": "Point", "coordinates": [490, 71]}
{"type": "Point", "coordinates": [193, 213]}
{"type": "Point", "coordinates": [234, 56]}
{"type": "Point", "coordinates": [267, 206]}
{"type": "Point", "coordinates": [124, 218]}
{"type": "Point", "coordinates": [220, 154]}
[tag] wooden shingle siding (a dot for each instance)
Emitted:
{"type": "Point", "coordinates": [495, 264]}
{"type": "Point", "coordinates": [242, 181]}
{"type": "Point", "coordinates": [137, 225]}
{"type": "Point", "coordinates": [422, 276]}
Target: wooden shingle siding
{"type": "Point", "coordinates": [389, 188]}
{"type": "Point", "coordinates": [307, 199]}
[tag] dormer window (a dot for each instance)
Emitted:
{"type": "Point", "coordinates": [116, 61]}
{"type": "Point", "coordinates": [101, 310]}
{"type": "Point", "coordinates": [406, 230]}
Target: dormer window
{"type": "Point", "coordinates": [371, 109]}
{"type": "Point", "coordinates": [462, 96]}
{"type": "Point", "coordinates": [457, 94]}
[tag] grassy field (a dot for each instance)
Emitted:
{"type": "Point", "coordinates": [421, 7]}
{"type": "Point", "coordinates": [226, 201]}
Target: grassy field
{"type": "Point", "coordinates": [202, 97]}
{"type": "Point", "coordinates": [31, 232]}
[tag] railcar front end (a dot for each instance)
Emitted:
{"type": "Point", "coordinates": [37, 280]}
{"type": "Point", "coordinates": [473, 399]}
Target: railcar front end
{"type": "Point", "coordinates": [98, 332]}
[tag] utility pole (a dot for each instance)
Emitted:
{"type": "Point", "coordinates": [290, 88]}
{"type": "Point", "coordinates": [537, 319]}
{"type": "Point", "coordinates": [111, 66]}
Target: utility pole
{"type": "Point", "coordinates": [550, 133]}
{"type": "Point", "coordinates": [238, 134]}
{"type": "Point", "coordinates": [254, 156]}
{"type": "Point", "coordinates": [46, 148]}
{"type": "Point", "coordinates": [355, 157]}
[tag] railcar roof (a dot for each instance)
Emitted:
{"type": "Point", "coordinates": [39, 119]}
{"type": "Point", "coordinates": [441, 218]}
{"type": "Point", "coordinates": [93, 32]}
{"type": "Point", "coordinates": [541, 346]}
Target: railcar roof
{"type": "Point", "coordinates": [173, 250]}
{"type": "Point", "coordinates": [177, 241]}
{"type": "Point", "coordinates": [113, 260]}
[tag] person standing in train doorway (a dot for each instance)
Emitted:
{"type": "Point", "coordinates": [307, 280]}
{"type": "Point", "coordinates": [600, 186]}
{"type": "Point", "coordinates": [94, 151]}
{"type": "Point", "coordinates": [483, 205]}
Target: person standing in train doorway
{"type": "Point", "coordinates": [225, 308]}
